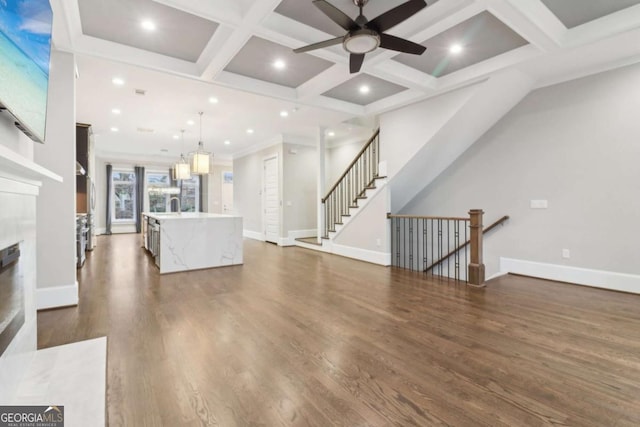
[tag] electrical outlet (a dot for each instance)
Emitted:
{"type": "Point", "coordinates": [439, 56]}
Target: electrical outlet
{"type": "Point", "coordinates": [566, 253]}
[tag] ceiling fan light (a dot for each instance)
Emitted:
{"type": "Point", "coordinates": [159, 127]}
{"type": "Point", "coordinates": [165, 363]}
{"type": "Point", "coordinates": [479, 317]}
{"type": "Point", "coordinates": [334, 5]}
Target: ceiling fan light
{"type": "Point", "coordinates": [363, 41]}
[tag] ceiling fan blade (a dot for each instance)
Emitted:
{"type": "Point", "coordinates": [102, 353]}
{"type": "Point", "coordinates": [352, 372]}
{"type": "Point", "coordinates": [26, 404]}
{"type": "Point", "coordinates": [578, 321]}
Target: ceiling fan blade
{"type": "Point", "coordinates": [393, 17]}
{"type": "Point", "coordinates": [336, 15]}
{"type": "Point", "coordinates": [355, 62]}
{"type": "Point", "coordinates": [319, 45]}
{"type": "Point", "coordinates": [401, 45]}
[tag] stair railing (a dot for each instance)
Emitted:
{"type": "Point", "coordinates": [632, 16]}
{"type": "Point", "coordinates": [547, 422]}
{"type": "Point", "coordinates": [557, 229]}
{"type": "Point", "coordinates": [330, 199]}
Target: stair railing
{"type": "Point", "coordinates": [443, 246]}
{"type": "Point", "coordinates": [352, 185]}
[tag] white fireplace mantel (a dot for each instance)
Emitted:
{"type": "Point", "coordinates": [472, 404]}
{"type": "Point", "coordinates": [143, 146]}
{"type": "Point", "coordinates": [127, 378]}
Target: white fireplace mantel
{"type": "Point", "coordinates": [17, 167]}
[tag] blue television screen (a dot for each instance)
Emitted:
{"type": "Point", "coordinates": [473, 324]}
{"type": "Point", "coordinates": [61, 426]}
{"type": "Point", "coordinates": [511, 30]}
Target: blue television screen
{"type": "Point", "coordinates": [25, 50]}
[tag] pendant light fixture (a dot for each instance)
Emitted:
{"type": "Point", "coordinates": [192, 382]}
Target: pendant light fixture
{"type": "Point", "coordinates": [200, 160]}
{"type": "Point", "coordinates": [182, 170]}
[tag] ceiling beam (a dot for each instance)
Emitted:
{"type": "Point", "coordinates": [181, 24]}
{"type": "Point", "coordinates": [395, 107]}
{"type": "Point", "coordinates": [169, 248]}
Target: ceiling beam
{"type": "Point", "coordinates": [241, 34]}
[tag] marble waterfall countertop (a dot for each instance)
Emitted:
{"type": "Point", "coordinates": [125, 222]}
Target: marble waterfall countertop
{"type": "Point", "coordinates": [163, 216]}
{"type": "Point", "coordinates": [195, 240]}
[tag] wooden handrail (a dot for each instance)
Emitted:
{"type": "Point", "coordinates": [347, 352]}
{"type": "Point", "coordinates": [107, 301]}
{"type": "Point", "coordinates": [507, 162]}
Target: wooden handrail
{"type": "Point", "coordinates": [462, 245]}
{"type": "Point", "coordinates": [375, 135]}
{"type": "Point", "coordinates": [451, 218]}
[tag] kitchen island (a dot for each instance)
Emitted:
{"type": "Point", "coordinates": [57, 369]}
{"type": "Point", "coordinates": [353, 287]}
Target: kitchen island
{"type": "Point", "coordinates": [192, 240]}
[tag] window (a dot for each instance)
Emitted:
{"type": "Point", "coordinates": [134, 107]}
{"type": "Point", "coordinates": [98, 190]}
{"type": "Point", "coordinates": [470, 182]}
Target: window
{"type": "Point", "coordinates": [190, 195]}
{"type": "Point", "coordinates": [158, 200]}
{"type": "Point", "coordinates": [124, 196]}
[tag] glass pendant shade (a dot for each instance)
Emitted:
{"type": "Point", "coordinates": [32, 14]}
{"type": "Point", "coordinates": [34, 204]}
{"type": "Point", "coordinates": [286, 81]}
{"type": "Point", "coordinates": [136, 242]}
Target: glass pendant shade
{"type": "Point", "coordinates": [200, 161]}
{"type": "Point", "coordinates": [181, 170]}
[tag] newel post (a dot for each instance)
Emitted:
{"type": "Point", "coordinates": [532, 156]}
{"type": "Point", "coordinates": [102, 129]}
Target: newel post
{"type": "Point", "coordinates": [476, 266]}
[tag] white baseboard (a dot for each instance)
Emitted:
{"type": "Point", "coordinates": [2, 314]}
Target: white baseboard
{"type": "Point", "coordinates": [101, 230]}
{"type": "Point", "coordinates": [580, 276]}
{"type": "Point", "coordinates": [297, 234]}
{"type": "Point", "coordinates": [255, 235]}
{"type": "Point", "coordinates": [381, 258]}
{"type": "Point", "coordinates": [59, 296]}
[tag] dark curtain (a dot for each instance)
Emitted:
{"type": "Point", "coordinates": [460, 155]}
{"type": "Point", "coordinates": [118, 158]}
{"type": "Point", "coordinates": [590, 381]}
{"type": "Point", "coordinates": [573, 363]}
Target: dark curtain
{"type": "Point", "coordinates": [174, 183]}
{"type": "Point", "coordinates": [109, 185]}
{"type": "Point", "coordinates": [139, 170]}
{"type": "Point", "coordinates": [200, 202]}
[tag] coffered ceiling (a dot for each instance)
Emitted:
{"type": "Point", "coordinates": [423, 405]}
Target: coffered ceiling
{"type": "Point", "coordinates": [236, 45]}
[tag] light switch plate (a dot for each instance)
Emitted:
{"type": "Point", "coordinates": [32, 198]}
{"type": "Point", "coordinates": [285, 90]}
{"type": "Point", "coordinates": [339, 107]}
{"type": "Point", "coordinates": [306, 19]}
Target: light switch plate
{"type": "Point", "coordinates": [566, 253]}
{"type": "Point", "coordinates": [539, 204]}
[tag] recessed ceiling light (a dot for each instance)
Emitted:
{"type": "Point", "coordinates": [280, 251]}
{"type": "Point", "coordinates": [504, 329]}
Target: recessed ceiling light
{"type": "Point", "coordinates": [191, 122]}
{"type": "Point", "coordinates": [148, 25]}
{"type": "Point", "coordinates": [116, 111]}
{"type": "Point", "coordinates": [213, 100]}
{"type": "Point", "coordinates": [331, 134]}
{"type": "Point", "coordinates": [176, 137]}
{"type": "Point", "coordinates": [284, 113]}
{"type": "Point", "coordinates": [364, 89]}
{"type": "Point", "coordinates": [455, 49]}
{"type": "Point", "coordinates": [227, 142]}
{"type": "Point", "coordinates": [114, 129]}
{"type": "Point", "coordinates": [249, 131]}
{"type": "Point", "coordinates": [117, 81]}
{"type": "Point", "coordinates": [279, 64]}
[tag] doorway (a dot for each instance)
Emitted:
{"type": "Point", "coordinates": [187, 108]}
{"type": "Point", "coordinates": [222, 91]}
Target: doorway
{"type": "Point", "coordinates": [271, 200]}
{"type": "Point", "coordinates": [226, 192]}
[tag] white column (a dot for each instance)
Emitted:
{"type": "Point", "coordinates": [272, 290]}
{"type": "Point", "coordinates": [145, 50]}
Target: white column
{"type": "Point", "coordinates": [321, 146]}
{"type": "Point", "coordinates": [56, 206]}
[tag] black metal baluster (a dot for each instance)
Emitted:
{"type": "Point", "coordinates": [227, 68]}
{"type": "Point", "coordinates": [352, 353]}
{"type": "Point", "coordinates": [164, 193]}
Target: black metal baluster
{"type": "Point", "coordinates": [440, 246]}
{"type": "Point", "coordinates": [424, 244]}
{"type": "Point", "coordinates": [466, 262]}
{"type": "Point", "coordinates": [456, 231]}
{"type": "Point", "coordinates": [432, 240]}
{"type": "Point", "coordinates": [398, 240]}
{"type": "Point", "coordinates": [448, 247]}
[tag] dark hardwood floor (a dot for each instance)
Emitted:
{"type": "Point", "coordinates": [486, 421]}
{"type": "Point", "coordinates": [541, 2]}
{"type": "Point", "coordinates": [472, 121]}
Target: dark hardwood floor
{"type": "Point", "coordinates": [297, 337]}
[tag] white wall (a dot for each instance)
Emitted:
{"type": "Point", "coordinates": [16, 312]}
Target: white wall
{"type": "Point", "coordinates": [56, 205]}
{"type": "Point", "coordinates": [247, 186]}
{"type": "Point", "coordinates": [418, 148]}
{"type": "Point", "coordinates": [576, 145]}
{"type": "Point", "coordinates": [213, 201]}
{"type": "Point", "coordinates": [338, 158]}
{"type": "Point", "coordinates": [298, 193]}
{"type": "Point", "coordinates": [300, 196]}
{"type": "Point", "coordinates": [367, 237]}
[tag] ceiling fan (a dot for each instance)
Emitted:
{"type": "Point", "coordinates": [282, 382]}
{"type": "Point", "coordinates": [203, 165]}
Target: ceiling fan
{"type": "Point", "coordinates": [363, 35]}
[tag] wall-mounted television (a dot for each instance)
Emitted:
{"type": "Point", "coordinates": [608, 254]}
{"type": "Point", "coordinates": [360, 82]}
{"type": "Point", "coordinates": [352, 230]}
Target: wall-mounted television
{"type": "Point", "coordinates": [25, 50]}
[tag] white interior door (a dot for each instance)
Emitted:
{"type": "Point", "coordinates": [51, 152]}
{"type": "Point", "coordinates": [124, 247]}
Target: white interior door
{"type": "Point", "coordinates": [227, 192]}
{"type": "Point", "coordinates": [271, 200]}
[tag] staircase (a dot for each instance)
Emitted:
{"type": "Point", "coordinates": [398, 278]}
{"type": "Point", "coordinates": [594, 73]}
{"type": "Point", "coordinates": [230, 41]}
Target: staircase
{"type": "Point", "coordinates": [360, 182]}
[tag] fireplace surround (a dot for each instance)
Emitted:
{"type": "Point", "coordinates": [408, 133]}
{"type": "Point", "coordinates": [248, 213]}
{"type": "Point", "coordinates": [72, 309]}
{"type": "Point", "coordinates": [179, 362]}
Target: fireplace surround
{"type": "Point", "coordinates": [12, 309]}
